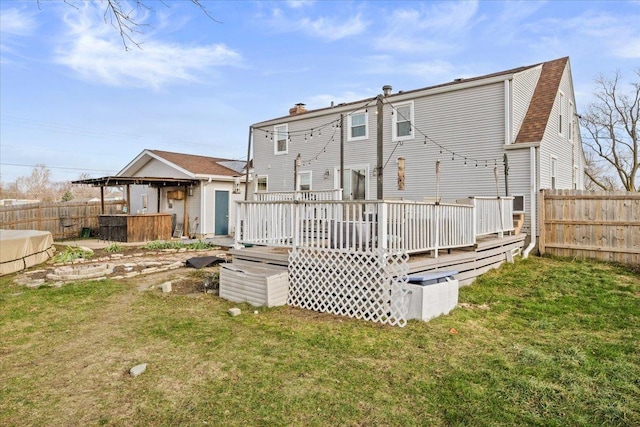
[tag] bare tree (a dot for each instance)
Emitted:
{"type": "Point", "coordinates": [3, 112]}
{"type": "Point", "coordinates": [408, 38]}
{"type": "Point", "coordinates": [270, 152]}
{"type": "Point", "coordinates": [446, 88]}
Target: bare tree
{"type": "Point", "coordinates": [37, 185]}
{"type": "Point", "coordinates": [121, 14]}
{"type": "Point", "coordinates": [611, 125]}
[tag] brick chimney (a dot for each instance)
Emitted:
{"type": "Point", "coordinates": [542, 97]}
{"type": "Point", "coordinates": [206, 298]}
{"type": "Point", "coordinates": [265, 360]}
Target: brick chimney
{"type": "Point", "coordinates": [297, 109]}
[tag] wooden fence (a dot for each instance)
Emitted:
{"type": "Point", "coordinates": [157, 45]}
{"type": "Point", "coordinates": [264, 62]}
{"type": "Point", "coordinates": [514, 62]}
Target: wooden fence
{"type": "Point", "coordinates": [602, 225]}
{"type": "Point", "coordinates": [62, 219]}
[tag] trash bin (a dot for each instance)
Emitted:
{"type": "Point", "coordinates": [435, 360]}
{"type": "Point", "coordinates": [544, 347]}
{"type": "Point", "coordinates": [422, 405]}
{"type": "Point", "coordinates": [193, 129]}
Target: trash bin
{"type": "Point", "coordinates": [85, 232]}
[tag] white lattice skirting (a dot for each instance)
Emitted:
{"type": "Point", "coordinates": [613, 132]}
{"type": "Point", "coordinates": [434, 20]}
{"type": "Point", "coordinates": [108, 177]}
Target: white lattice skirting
{"type": "Point", "coordinates": [364, 285]}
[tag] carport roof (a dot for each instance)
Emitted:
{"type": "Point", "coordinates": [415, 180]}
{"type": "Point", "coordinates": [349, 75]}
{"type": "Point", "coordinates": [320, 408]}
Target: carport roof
{"type": "Point", "coordinates": [116, 181]}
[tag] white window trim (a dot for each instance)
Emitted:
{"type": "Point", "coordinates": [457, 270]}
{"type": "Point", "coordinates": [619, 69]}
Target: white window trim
{"type": "Point", "coordinates": [275, 139]}
{"type": "Point", "coordinates": [366, 127]}
{"type": "Point", "coordinates": [307, 172]}
{"type": "Point", "coordinates": [524, 203]}
{"type": "Point", "coordinates": [394, 122]}
{"type": "Point", "coordinates": [561, 114]}
{"type": "Point", "coordinates": [571, 120]}
{"type": "Point", "coordinates": [551, 173]}
{"type": "Point", "coordinates": [266, 177]}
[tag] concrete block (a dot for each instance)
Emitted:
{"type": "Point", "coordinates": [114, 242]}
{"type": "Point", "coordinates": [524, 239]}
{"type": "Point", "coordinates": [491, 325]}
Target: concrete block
{"type": "Point", "coordinates": [166, 287]}
{"type": "Point", "coordinates": [234, 312]}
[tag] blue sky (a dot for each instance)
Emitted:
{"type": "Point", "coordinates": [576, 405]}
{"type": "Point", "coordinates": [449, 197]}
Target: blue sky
{"type": "Point", "coordinates": [72, 98]}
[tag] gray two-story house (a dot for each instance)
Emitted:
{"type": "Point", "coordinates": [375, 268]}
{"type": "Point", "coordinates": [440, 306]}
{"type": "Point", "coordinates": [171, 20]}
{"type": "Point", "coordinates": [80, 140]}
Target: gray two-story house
{"type": "Point", "coordinates": [513, 133]}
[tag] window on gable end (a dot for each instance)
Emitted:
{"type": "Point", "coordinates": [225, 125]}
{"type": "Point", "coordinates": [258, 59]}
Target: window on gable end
{"type": "Point", "coordinates": [280, 139]}
{"type": "Point", "coordinates": [560, 113]}
{"type": "Point", "coordinates": [357, 124]}
{"type": "Point", "coordinates": [571, 118]}
{"type": "Point", "coordinates": [403, 122]}
{"type": "Point", "coordinates": [554, 173]}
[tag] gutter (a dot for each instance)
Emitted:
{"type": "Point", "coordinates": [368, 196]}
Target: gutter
{"type": "Point", "coordinates": [534, 203]}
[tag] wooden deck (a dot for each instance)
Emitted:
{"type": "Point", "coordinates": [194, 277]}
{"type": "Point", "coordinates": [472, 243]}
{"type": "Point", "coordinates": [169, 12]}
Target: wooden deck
{"type": "Point", "coordinates": [490, 252]}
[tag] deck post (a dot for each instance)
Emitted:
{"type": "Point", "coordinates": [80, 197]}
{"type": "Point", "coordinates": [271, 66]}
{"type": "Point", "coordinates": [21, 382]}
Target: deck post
{"type": "Point", "coordinates": [383, 219]}
{"type": "Point", "coordinates": [295, 214]}
{"type": "Point", "coordinates": [501, 213]}
{"type": "Point", "coordinates": [475, 220]}
{"type": "Point", "coordinates": [437, 229]}
{"type": "Point", "coordinates": [238, 228]}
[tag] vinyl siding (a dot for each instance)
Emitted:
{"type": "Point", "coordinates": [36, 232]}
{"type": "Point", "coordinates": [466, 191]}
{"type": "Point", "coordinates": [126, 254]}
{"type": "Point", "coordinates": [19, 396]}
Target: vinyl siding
{"type": "Point", "coordinates": [158, 169]}
{"type": "Point", "coordinates": [519, 174]}
{"type": "Point", "coordinates": [468, 122]}
{"type": "Point", "coordinates": [558, 145]}
{"type": "Point", "coordinates": [523, 86]}
{"type": "Point", "coordinates": [320, 153]}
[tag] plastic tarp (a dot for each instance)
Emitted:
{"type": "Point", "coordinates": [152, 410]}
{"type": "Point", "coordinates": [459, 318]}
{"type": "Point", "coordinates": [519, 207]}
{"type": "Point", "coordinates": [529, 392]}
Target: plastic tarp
{"type": "Point", "coordinates": [204, 261]}
{"type": "Point", "coordinates": [21, 249]}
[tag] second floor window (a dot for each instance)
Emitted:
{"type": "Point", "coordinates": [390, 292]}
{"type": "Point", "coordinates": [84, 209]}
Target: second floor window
{"type": "Point", "coordinates": [403, 122]}
{"type": "Point", "coordinates": [280, 139]}
{"type": "Point", "coordinates": [357, 126]}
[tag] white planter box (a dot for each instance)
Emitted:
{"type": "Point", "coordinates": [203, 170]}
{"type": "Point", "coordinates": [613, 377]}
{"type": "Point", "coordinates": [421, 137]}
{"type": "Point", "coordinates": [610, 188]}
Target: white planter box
{"type": "Point", "coordinates": [434, 296]}
{"type": "Point", "coordinates": [258, 285]}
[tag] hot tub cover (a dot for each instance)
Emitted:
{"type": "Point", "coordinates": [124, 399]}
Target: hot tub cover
{"type": "Point", "coordinates": [21, 249]}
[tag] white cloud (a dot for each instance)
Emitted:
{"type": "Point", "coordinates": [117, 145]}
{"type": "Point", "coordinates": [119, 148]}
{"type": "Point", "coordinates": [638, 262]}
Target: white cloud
{"type": "Point", "coordinates": [420, 29]}
{"type": "Point", "coordinates": [322, 27]}
{"type": "Point", "coordinates": [95, 51]}
{"type": "Point", "coordinates": [298, 4]}
{"type": "Point", "coordinates": [14, 24]}
{"type": "Point", "coordinates": [594, 31]}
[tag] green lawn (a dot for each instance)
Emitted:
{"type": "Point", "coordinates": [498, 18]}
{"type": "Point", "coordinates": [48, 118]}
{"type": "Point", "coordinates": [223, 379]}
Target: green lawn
{"type": "Point", "coordinates": [539, 342]}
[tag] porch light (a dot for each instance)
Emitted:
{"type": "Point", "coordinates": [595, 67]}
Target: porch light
{"type": "Point", "coordinates": [190, 191]}
{"type": "Point", "coordinates": [327, 174]}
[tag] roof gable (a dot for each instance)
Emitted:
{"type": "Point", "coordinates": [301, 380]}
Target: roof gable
{"type": "Point", "coordinates": [535, 121]}
{"type": "Point", "coordinates": [197, 165]}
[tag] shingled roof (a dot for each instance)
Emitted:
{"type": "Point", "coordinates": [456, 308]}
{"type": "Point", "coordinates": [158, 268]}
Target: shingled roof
{"type": "Point", "coordinates": [535, 121]}
{"type": "Point", "coordinates": [199, 165]}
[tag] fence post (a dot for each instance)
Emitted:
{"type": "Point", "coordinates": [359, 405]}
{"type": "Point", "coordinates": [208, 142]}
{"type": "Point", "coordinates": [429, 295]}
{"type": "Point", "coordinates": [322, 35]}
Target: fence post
{"type": "Point", "coordinates": [541, 237]}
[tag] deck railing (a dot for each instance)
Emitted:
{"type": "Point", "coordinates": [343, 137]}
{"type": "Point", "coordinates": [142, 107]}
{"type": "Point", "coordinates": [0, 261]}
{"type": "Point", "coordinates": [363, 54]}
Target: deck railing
{"type": "Point", "coordinates": [311, 195]}
{"type": "Point", "coordinates": [368, 225]}
{"type": "Point", "coordinates": [493, 215]}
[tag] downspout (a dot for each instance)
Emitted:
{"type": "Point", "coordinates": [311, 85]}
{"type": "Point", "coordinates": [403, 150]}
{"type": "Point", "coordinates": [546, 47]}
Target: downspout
{"type": "Point", "coordinates": [534, 202]}
{"type": "Point", "coordinates": [248, 164]}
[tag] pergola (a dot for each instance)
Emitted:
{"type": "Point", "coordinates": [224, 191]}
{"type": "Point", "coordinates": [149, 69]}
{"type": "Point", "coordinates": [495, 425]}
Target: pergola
{"type": "Point", "coordinates": [127, 181]}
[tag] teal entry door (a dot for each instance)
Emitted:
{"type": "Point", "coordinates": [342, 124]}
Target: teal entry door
{"type": "Point", "coordinates": [221, 213]}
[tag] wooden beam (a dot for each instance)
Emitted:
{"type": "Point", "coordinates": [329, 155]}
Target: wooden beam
{"type": "Point", "coordinates": [185, 222]}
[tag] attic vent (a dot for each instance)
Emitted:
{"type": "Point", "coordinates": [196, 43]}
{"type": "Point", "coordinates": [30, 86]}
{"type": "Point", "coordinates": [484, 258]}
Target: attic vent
{"type": "Point", "coordinates": [297, 109]}
{"type": "Point", "coordinates": [459, 79]}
